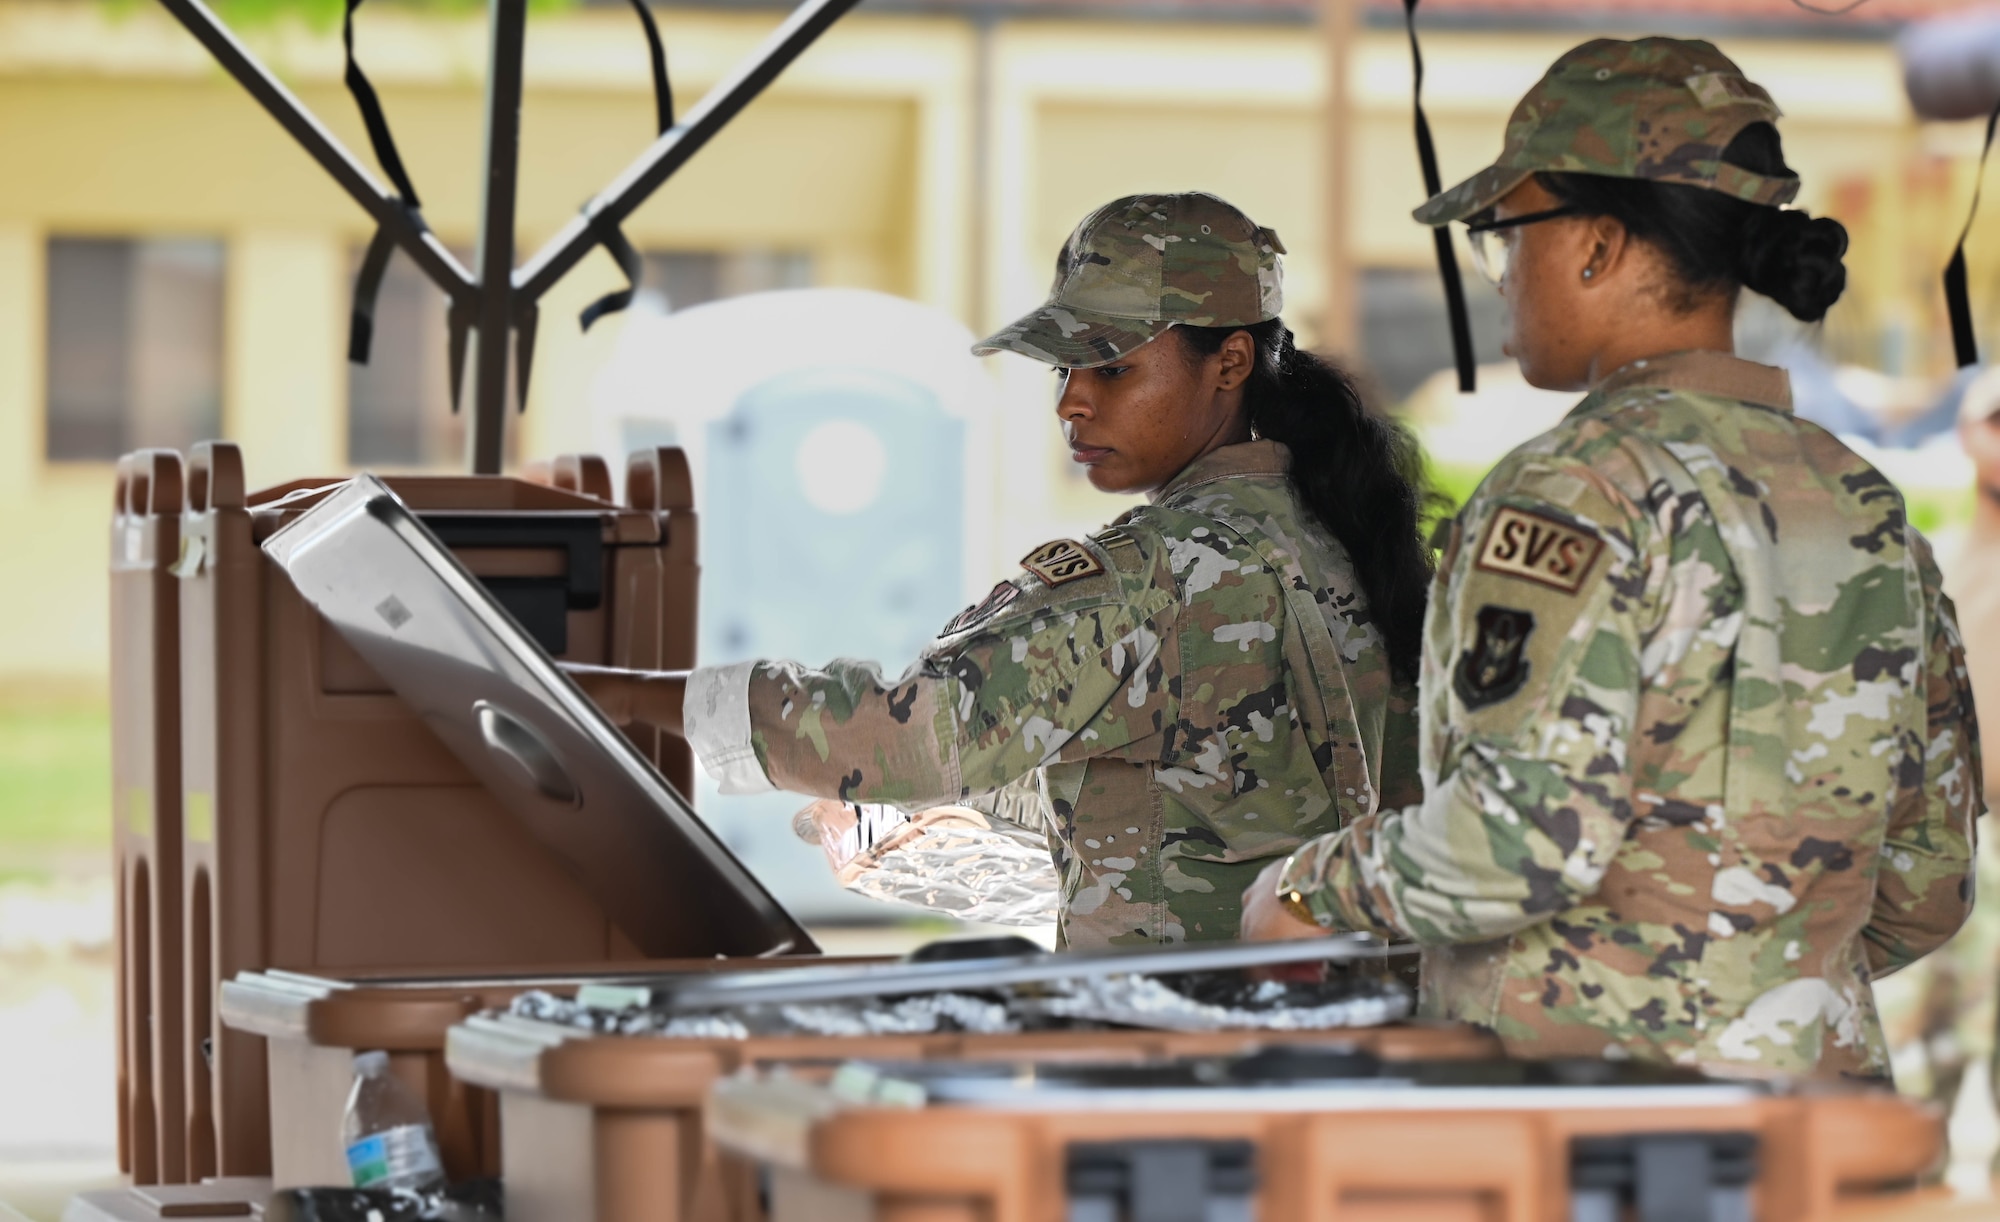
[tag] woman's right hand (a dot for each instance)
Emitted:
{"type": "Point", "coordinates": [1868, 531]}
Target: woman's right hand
{"type": "Point", "coordinates": [832, 825]}
{"type": "Point", "coordinates": [625, 696]}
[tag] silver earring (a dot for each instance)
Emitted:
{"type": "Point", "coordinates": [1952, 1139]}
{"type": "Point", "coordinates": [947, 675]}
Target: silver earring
{"type": "Point", "coordinates": [1588, 273]}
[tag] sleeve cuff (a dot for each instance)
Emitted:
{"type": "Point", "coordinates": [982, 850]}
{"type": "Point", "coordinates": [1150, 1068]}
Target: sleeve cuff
{"type": "Point", "coordinates": [715, 714]}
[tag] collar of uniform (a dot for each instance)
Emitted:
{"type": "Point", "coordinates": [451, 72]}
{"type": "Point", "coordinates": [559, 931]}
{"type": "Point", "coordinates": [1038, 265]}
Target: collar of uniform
{"type": "Point", "coordinates": [1244, 458]}
{"type": "Point", "coordinates": [1704, 373]}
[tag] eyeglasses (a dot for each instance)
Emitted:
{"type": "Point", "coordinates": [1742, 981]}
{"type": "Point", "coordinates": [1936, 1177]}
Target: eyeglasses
{"type": "Point", "coordinates": [1492, 242]}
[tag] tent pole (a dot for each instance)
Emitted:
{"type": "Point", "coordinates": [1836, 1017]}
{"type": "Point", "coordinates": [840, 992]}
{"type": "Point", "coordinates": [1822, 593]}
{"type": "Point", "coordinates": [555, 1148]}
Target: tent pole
{"type": "Point", "coordinates": [673, 149]}
{"type": "Point", "coordinates": [320, 144]}
{"type": "Point", "coordinates": [1340, 329]}
{"type": "Point", "coordinates": [493, 323]}
{"type": "Point", "coordinates": [490, 309]}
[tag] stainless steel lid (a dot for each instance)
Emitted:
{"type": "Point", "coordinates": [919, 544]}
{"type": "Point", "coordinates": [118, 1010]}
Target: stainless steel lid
{"type": "Point", "coordinates": [500, 703]}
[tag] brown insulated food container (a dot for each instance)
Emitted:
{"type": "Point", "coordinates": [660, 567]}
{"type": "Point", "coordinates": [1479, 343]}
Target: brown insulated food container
{"type": "Point", "coordinates": [313, 1025]}
{"type": "Point", "coordinates": [215, 1198]}
{"type": "Point", "coordinates": [611, 1127]}
{"type": "Point", "coordinates": [1934, 1204]}
{"type": "Point", "coordinates": [496, 700]}
{"type": "Point", "coordinates": [325, 825]}
{"type": "Point", "coordinates": [1519, 1142]}
{"type": "Point", "coordinates": [146, 814]}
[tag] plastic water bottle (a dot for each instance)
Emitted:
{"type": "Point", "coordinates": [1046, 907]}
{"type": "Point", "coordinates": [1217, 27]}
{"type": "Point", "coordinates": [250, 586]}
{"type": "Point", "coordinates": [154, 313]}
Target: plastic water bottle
{"type": "Point", "coordinates": [388, 1133]}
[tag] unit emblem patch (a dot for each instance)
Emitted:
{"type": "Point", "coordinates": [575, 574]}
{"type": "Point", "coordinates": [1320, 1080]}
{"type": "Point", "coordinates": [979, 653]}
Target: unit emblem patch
{"type": "Point", "coordinates": [1496, 665]}
{"type": "Point", "coordinates": [1061, 561]}
{"type": "Point", "coordinates": [996, 599]}
{"type": "Point", "coordinates": [1540, 549]}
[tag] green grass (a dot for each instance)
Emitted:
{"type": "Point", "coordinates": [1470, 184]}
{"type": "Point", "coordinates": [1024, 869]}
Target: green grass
{"type": "Point", "coordinates": [1457, 481]}
{"type": "Point", "coordinates": [1934, 509]}
{"type": "Point", "coordinates": [55, 775]}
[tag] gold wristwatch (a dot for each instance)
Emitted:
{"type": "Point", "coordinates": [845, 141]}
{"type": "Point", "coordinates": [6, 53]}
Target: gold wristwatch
{"type": "Point", "coordinates": [1290, 898]}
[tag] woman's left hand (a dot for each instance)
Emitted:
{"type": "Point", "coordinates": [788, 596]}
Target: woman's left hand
{"type": "Point", "coordinates": [1265, 919]}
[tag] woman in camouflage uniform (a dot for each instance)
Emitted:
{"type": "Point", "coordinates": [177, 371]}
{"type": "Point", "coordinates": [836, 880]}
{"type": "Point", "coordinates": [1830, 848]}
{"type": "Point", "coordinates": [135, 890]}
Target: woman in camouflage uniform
{"type": "Point", "coordinates": [1220, 675]}
{"type": "Point", "coordinates": [1699, 750]}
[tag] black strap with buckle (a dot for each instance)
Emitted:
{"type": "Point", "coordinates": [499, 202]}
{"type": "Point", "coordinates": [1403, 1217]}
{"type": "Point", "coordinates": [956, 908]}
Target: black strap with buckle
{"type": "Point", "coordinates": [1957, 301]}
{"type": "Point", "coordinates": [609, 235]}
{"type": "Point", "coordinates": [1447, 259]}
{"type": "Point", "coordinates": [663, 92]}
{"type": "Point", "coordinates": [368, 284]}
{"type": "Point", "coordinates": [619, 247]}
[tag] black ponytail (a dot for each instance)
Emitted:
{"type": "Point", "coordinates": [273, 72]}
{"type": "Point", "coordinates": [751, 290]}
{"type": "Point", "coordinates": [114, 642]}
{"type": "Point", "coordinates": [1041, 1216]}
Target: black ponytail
{"type": "Point", "coordinates": [1717, 242]}
{"type": "Point", "coordinates": [1358, 474]}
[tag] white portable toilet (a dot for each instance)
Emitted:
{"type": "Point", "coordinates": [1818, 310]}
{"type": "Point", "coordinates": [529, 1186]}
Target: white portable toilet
{"type": "Point", "coordinates": [841, 447]}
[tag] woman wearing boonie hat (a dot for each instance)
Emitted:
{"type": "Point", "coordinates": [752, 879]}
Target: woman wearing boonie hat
{"type": "Point", "coordinates": [1699, 746]}
{"type": "Point", "coordinates": [1222, 674]}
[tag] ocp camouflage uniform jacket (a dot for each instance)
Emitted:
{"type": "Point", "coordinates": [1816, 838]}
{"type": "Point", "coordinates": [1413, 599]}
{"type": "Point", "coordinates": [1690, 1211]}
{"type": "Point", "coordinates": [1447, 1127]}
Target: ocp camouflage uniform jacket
{"type": "Point", "coordinates": [1199, 686]}
{"type": "Point", "coordinates": [1699, 748]}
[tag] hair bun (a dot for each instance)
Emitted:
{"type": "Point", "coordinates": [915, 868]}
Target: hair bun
{"type": "Point", "coordinates": [1794, 258]}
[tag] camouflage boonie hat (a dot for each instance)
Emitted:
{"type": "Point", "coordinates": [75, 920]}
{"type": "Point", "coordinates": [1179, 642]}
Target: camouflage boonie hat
{"type": "Point", "coordinates": [1658, 108]}
{"type": "Point", "coordinates": [1141, 264]}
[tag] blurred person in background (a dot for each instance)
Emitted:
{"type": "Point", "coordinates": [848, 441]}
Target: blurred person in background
{"type": "Point", "coordinates": [1972, 568]}
{"type": "Point", "coordinates": [1699, 744]}
{"type": "Point", "coordinates": [1944, 1025]}
{"type": "Point", "coordinates": [1219, 676]}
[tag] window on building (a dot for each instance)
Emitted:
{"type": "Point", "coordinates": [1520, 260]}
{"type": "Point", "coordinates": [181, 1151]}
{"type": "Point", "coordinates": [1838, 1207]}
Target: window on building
{"type": "Point", "coordinates": [1406, 334]}
{"type": "Point", "coordinates": [677, 279]}
{"type": "Point", "coordinates": [399, 404]}
{"type": "Point", "coordinates": [134, 345]}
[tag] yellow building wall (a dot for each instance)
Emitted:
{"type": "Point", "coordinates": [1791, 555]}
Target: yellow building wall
{"type": "Point", "coordinates": [876, 153]}
{"type": "Point", "coordinates": [121, 127]}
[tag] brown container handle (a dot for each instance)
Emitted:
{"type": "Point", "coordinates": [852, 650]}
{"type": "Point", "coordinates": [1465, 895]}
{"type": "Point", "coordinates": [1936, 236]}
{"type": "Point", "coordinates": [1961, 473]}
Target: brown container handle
{"type": "Point", "coordinates": [583, 473]}
{"type": "Point", "coordinates": [1878, 1139]}
{"type": "Point", "coordinates": [149, 483]}
{"type": "Point", "coordinates": [361, 1018]}
{"type": "Point", "coordinates": [659, 479]}
{"type": "Point", "coordinates": [215, 477]}
{"type": "Point", "coordinates": [121, 493]}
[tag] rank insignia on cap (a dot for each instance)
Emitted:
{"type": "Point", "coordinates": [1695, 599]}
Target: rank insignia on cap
{"type": "Point", "coordinates": [1496, 665]}
{"type": "Point", "coordinates": [1540, 549]}
{"type": "Point", "coordinates": [1064, 560]}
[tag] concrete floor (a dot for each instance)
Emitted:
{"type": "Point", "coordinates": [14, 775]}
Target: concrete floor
{"type": "Point", "coordinates": [58, 1068]}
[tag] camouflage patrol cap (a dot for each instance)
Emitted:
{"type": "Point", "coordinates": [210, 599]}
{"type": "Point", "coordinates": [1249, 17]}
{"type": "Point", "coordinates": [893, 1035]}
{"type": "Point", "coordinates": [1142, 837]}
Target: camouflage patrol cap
{"type": "Point", "coordinates": [1141, 264]}
{"type": "Point", "coordinates": [1657, 108]}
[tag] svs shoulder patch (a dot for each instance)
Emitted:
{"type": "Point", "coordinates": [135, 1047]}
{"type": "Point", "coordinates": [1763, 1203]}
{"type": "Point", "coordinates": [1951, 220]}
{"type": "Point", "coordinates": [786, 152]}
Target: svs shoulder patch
{"type": "Point", "coordinates": [1061, 561]}
{"type": "Point", "coordinates": [996, 600]}
{"type": "Point", "coordinates": [1538, 548]}
{"type": "Point", "coordinates": [1496, 665]}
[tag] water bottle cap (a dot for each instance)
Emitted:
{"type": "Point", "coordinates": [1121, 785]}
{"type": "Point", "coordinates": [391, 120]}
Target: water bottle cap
{"type": "Point", "coordinates": [369, 1063]}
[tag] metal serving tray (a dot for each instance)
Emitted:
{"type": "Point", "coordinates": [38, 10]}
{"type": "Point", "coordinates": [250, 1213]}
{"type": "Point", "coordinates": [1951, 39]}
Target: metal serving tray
{"type": "Point", "coordinates": [1309, 1079]}
{"type": "Point", "coordinates": [722, 990]}
{"type": "Point", "coordinates": [501, 704]}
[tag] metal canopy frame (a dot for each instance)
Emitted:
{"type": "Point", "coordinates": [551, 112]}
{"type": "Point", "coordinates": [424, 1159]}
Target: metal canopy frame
{"type": "Point", "coordinates": [500, 301]}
